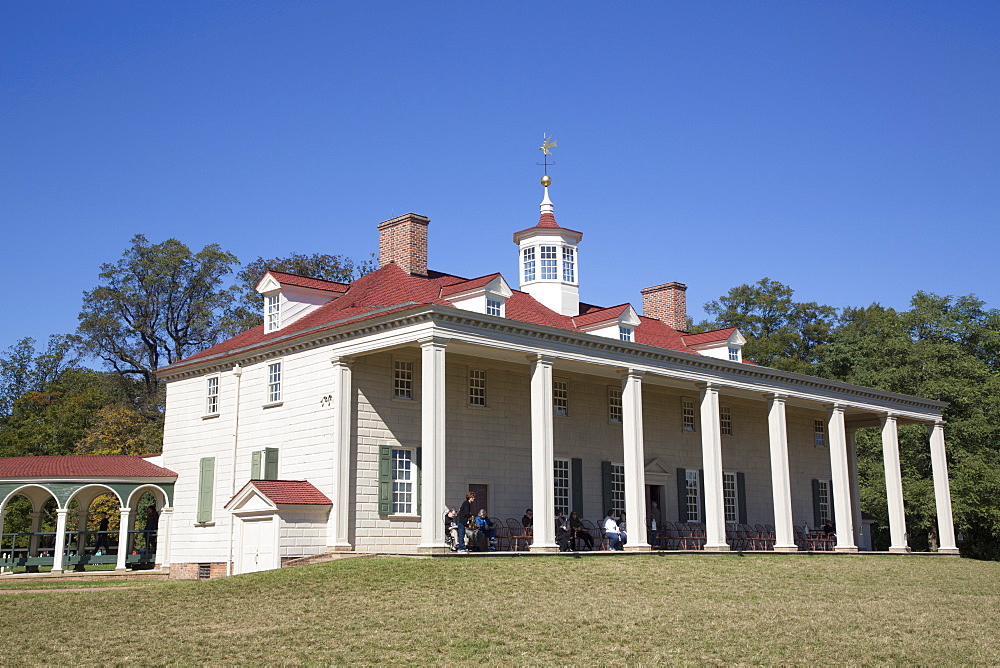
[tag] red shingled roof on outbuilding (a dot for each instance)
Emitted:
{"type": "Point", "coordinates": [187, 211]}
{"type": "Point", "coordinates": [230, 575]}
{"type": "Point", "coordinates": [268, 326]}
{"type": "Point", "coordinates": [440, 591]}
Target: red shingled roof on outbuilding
{"type": "Point", "coordinates": [289, 492]}
{"type": "Point", "coordinates": [82, 466]}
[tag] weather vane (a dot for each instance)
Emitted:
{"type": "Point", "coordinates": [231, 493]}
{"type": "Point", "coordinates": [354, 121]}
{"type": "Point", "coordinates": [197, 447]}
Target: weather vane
{"type": "Point", "coordinates": [547, 143]}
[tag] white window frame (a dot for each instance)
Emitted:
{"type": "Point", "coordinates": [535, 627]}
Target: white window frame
{"type": "Point", "coordinates": [494, 306]}
{"type": "Point", "coordinates": [734, 353]}
{"type": "Point", "coordinates": [275, 382]}
{"type": "Point", "coordinates": [730, 498]}
{"type": "Point", "coordinates": [549, 262]}
{"type": "Point", "coordinates": [562, 487]}
{"type": "Point", "coordinates": [212, 395]}
{"type": "Point", "coordinates": [404, 481]}
{"type": "Point", "coordinates": [560, 397]}
{"type": "Point", "coordinates": [726, 420]}
{"type": "Point", "coordinates": [688, 422]}
{"type": "Point", "coordinates": [477, 387]}
{"type": "Point", "coordinates": [272, 312]}
{"type": "Point", "coordinates": [615, 407]}
{"type": "Point", "coordinates": [692, 494]}
{"type": "Point", "coordinates": [625, 333]}
{"type": "Point", "coordinates": [618, 487]}
{"type": "Point", "coordinates": [819, 433]}
{"type": "Point", "coordinates": [528, 264]}
{"type": "Point", "coordinates": [823, 501]}
{"type": "Point", "coordinates": [402, 379]}
{"type": "Point", "coordinates": [569, 264]}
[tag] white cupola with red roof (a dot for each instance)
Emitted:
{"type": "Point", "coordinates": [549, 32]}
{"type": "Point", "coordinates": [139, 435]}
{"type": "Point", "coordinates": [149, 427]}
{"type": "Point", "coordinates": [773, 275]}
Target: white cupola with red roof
{"type": "Point", "coordinates": [548, 261]}
{"type": "Point", "coordinates": [288, 297]}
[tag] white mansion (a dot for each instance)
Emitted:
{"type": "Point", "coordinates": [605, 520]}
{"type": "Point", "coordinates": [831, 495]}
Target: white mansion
{"type": "Point", "coordinates": [359, 412]}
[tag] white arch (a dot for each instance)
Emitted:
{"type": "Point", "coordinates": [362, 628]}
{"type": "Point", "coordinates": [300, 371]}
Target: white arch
{"type": "Point", "coordinates": [152, 488]}
{"type": "Point", "coordinates": [35, 507]}
{"type": "Point", "coordinates": [92, 486]}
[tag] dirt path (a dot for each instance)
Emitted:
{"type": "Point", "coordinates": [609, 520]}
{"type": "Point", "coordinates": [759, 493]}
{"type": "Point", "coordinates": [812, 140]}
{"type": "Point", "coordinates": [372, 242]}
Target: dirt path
{"type": "Point", "coordinates": [58, 591]}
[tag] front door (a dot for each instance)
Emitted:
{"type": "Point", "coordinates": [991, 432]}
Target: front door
{"type": "Point", "coordinates": [482, 498]}
{"type": "Point", "coordinates": [257, 546]}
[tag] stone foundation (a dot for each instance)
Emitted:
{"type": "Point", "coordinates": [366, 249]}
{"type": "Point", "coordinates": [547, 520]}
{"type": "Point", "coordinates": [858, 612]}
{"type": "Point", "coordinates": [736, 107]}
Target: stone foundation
{"type": "Point", "coordinates": [203, 571]}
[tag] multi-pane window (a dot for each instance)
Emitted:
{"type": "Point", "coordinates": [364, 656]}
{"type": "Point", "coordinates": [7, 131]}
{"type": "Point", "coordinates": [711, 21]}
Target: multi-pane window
{"type": "Point", "coordinates": [402, 482]}
{"type": "Point", "coordinates": [274, 382]}
{"type": "Point", "coordinates": [687, 414]}
{"type": "Point", "coordinates": [560, 472]}
{"type": "Point", "coordinates": [819, 433]}
{"type": "Point", "coordinates": [273, 314]}
{"type": "Point", "coordinates": [528, 258]}
{"type": "Point", "coordinates": [726, 420]}
{"type": "Point", "coordinates": [618, 488]}
{"type": "Point", "coordinates": [494, 307]}
{"type": "Point", "coordinates": [729, 496]}
{"type": "Point", "coordinates": [212, 397]}
{"type": "Point", "coordinates": [477, 387]}
{"type": "Point", "coordinates": [560, 398]}
{"type": "Point", "coordinates": [734, 353]}
{"type": "Point", "coordinates": [614, 404]}
{"type": "Point", "coordinates": [824, 501]}
{"type": "Point", "coordinates": [569, 265]}
{"type": "Point", "coordinates": [402, 379]}
{"type": "Point", "coordinates": [624, 333]}
{"type": "Point", "coordinates": [692, 498]}
{"type": "Point", "coordinates": [550, 262]}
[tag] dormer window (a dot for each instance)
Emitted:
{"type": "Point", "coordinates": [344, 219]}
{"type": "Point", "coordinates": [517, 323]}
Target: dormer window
{"type": "Point", "coordinates": [486, 294]}
{"type": "Point", "coordinates": [624, 333]}
{"type": "Point", "coordinates": [272, 312]}
{"type": "Point", "coordinates": [529, 264]}
{"type": "Point", "coordinates": [494, 307]}
{"type": "Point", "coordinates": [550, 263]}
{"type": "Point", "coordinates": [569, 264]}
{"type": "Point", "coordinates": [734, 353]}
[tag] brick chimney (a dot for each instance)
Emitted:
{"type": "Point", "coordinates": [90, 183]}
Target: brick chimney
{"type": "Point", "coordinates": [667, 302]}
{"type": "Point", "coordinates": [403, 240]}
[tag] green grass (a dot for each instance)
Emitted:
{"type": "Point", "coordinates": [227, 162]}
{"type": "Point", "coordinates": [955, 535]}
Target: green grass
{"type": "Point", "coordinates": [650, 609]}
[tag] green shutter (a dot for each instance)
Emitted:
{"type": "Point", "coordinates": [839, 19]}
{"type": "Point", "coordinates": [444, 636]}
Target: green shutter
{"type": "Point", "coordinates": [385, 480]}
{"type": "Point", "coordinates": [255, 465]}
{"type": "Point", "coordinates": [576, 472]}
{"type": "Point", "coordinates": [419, 460]}
{"type": "Point", "coordinates": [741, 498]}
{"type": "Point", "coordinates": [701, 492]}
{"type": "Point", "coordinates": [816, 522]}
{"type": "Point", "coordinates": [270, 463]}
{"type": "Point", "coordinates": [682, 501]}
{"type": "Point", "coordinates": [606, 485]}
{"type": "Point", "coordinates": [206, 488]}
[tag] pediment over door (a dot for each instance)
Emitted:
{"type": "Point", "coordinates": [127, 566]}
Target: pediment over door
{"type": "Point", "coordinates": [656, 473]}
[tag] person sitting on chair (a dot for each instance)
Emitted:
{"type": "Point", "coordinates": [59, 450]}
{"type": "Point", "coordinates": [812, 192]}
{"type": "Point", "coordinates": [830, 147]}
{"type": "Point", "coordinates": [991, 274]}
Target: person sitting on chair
{"type": "Point", "coordinates": [622, 528]}
{"type": "Point", "coordinates": [488, 527]}
{"type": "Point", "coordinates": [611, 531]}
{"type": "Point", "coordinates": [564, 537]}
{"type": "Point", "coordinates": [579, 532]}
{"type": "Point", "coordinates": [527, 521]}
{"type": "Point", "coordinates": [451, 528]}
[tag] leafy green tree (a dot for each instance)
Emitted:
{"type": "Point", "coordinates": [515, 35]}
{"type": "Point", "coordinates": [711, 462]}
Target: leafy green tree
{"type": "Point", "coordinates": [158, 304]}
{"type": "Point", "coordinates": [121, 430]}
{"type": "Point", "coordinates": [246, 312]}
{"type": "Point", "coordinates": [22, 369]}
{"type": "Point", "coordinates": [781, 333]}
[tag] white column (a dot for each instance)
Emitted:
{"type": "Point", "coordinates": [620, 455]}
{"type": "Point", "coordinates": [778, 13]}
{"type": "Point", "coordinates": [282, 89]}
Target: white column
{"type": "Point", "coordinates": [781, 482]}
{"type": "Point", "coordinates": [893, 485]}
{"type": "Point", "coordinates": [852, 470]}
{"type": "Point", "coordinates": [432, 435]}
{"type": "Point", "coordinates": [635, 461]}
{"type": "Point", "coordinates": [338, 539]}
{"type": "Point", "coordinates": [124, 525]}
{"type": "Point", "coordinates": [711, 455]}
{"type": "Point", "coordinates": [942, 491]}
{"type": "Point", "coordinates": [60, 547]}
{"type": "Point", "coordinates": [840, 474]}
{"type": "Point", "coordinates": [36, 526]}
{"type": "Point", "coordinates": [164, 531]}
{"type": "Point", "coordinates": [542, 453]}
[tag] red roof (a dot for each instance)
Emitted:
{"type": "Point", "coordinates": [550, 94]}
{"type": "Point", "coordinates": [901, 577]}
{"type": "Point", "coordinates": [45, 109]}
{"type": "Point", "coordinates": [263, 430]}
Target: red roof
{"type": "Point", "coordinates": [289, 492]}
{"type": "Point", "coordinates": [709, 337]}
{"type": "Point", "coordinates": [547, 221]}
{"type": "Point", "coordinates": [306, 282]}
{"type": "Point", "coordinates": [391, 290]}
{"type": "Point", "coordinates": [470, 284]}
{"type": "Point", "coordinates": [595, 315]}
{"type": "Point", "coordinates": [82, 466]}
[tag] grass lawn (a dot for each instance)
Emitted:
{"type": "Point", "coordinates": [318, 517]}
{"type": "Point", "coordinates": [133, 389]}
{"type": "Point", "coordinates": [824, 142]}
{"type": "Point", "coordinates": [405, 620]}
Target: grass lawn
{"type": "Point", "coordinates": [662, 609]}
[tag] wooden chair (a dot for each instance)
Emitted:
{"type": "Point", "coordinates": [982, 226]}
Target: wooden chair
{"type": "Point", "coordinates": [599, 538]}
{"type": "Point", "coordinates": [517, 536]}
{"type": "Point", "coordinates": [670, 538]}
{"type": "Point", "coordinates": [500, 530]}
{"type": "Point", "coordinates": [766, 533]}
{"type": "Point", "coordinates": [800, 538]}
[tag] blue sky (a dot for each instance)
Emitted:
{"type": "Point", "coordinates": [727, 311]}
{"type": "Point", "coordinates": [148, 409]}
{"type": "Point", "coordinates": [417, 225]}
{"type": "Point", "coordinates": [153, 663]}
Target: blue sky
{"type": "Point", "coordinates": [849, 149]}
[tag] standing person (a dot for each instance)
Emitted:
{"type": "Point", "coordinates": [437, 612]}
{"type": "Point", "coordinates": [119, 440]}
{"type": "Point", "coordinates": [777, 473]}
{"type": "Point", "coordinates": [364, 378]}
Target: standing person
{"type": "Point", "coordinates": [579, 532]}
{"type": "Point", "coordinates": [102, 536]}
{"type": "Point", "coordinates": [611, 531]}
{"type": "Point", "coordinates": [527, 522]}
{"type": "Point", "coordinates": [654, 519]}
{"type": "Point", "coordinates": [152, 523]}
{"type": "Point", "coordinates": [622, 528]}
{"type": "Point", "coordinates": [464, 515]}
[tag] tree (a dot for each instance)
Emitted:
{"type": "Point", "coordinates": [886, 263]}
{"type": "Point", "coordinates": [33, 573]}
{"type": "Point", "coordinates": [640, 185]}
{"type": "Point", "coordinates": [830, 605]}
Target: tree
{"type": "Point", "coordinates": [158, 304]}
{"type": "Point", "coordinates": [246, 312]}
{"type": "Point", "coordinates": [120, 430]}
{"type": "Point", "coordinates": [22, 369]}
{"type": "Point", "coordinates": [781, 333]}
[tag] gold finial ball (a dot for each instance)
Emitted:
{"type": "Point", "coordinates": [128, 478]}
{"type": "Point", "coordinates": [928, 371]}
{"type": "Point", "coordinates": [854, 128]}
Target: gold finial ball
{"type": "Point", "coordinates": [546, 180]}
